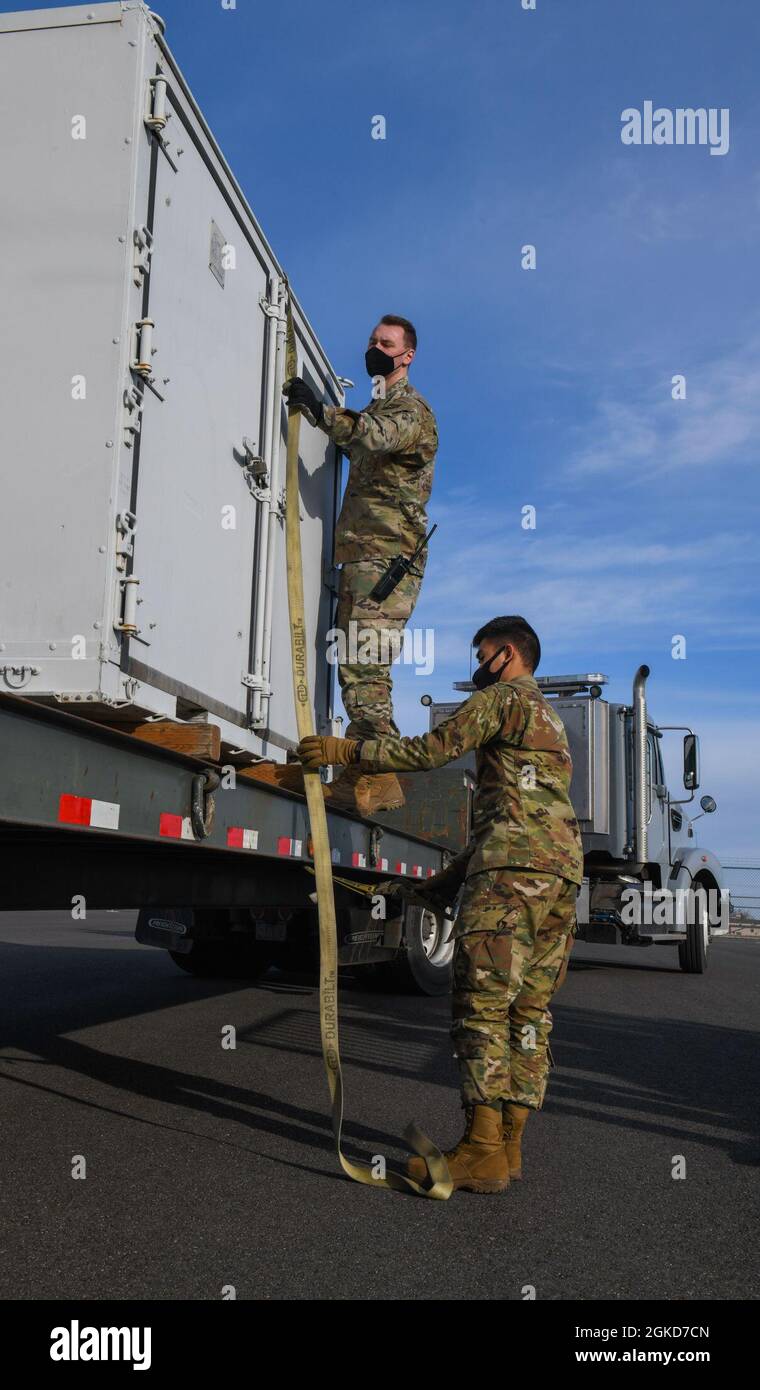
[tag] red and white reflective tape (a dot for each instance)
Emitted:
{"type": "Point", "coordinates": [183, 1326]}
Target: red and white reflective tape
{"type": "Point", "coordinates": [431, 873]}
{"type": "Point", "coordinates": [175, 827]}
{"type": "Point", "coordinates": [417, 870]}
{"type": "Point", "coordinates": [359, 861]}
{"type": "Point", "coordinates": [401, 868]}
{"type": "Point", "coordinates": [85, 810]}
{"type": "Point", "coordinates": [238, 837]}
{"type": "Point", "coordinates": [289, 847]}
{"type": "Point", "coordinates": [381, 864]}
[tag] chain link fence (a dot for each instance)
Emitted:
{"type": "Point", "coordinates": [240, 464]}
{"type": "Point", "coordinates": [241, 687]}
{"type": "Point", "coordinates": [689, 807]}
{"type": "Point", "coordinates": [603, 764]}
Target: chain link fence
{"type": "Point", "coordinates": [743, 883]}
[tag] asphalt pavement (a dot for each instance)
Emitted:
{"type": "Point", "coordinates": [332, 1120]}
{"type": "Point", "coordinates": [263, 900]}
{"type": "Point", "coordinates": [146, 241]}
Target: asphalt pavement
{"type": "Point", "coordinates": [209, 1167]}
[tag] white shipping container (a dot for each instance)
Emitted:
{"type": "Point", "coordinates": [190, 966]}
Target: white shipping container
{"type": "Point", "coordinates": [142, 548]}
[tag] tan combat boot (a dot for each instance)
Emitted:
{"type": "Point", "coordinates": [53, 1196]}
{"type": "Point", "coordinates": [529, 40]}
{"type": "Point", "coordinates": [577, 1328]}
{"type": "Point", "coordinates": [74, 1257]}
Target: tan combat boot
{"type": "Point", "coordinates": [378, 791]}
{"type": "Point", "coordinates": [364, 793]}
{"type": "Point", "coordinates": [479, 1161]}
{"type": "Point", "coordinates": [514, 1118]}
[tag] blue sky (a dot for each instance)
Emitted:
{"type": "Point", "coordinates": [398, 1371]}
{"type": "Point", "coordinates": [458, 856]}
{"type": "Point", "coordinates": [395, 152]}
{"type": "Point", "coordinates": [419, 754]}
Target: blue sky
{"type": "Point", "coordinates": [551, 388]}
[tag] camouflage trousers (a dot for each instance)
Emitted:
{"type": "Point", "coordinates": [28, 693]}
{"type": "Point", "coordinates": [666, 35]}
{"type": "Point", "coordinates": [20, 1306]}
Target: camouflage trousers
{"type": "Point", "coordinates": [373, 634]}
{"type": "Point", "coordinates": [515, 930]}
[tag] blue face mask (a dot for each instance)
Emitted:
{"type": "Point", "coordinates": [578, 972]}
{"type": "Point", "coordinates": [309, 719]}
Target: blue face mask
{"type": "Point", "coordinates": [485, 675]}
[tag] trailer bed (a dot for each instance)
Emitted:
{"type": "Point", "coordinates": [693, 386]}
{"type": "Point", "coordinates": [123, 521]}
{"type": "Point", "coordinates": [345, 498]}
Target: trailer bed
{"type": "Point", "coordinates": [85, 809]}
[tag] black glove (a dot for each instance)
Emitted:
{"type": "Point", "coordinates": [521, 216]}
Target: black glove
{"type": "Point", "coordinates": [297, 393]}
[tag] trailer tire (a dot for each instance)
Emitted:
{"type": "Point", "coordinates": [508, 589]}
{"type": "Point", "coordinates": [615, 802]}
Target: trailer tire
{"type": "Point", "coordinates": [693, 952]}
{"type": "Point", "coordinates": [237, 959]}
{"type": "Point", "coordinates": [424, 961]}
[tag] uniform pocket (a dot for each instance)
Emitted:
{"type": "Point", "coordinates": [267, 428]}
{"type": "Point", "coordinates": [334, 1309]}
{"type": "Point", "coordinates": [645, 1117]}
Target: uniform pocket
{"type": "Point", "coordinates": [480, 959]}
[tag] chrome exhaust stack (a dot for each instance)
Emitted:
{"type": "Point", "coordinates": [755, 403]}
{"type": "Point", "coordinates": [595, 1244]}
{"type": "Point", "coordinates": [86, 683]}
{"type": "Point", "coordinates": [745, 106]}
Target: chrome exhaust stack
{"type": "Point", "coordinates": [640, 763]}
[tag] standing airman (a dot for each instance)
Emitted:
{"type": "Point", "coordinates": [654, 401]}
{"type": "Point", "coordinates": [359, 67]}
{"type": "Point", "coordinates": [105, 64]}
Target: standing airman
{"type": "Point", "coordinates": [521, 870]}
{"type": "Point", "coordinates": [391, 445]}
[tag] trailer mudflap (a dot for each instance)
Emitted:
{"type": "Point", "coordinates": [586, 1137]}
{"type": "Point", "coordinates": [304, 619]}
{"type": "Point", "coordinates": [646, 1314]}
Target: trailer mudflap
{"type": "Point", "coordinates": [168, 927]}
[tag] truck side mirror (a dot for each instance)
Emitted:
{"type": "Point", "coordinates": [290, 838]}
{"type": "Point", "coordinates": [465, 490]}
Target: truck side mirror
{"type": "Point", "coordinates": [691, 762]}
{"type": "Point", "coordinates": [708, 804]}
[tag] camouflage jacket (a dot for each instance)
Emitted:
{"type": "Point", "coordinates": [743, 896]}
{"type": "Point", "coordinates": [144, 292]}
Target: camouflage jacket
{"type": "Point", "coordinates": [391, 445]}
{"type": "Point", "coordinates": [522, 813]}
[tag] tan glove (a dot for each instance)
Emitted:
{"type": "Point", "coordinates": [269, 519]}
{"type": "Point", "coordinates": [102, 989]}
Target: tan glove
{"type": "Point", "coordinates": [316, 751]}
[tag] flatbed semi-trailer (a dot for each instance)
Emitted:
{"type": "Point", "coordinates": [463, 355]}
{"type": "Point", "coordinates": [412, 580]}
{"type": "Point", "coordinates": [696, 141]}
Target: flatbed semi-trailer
{"type": "Point", "coordinates": [218, 864]}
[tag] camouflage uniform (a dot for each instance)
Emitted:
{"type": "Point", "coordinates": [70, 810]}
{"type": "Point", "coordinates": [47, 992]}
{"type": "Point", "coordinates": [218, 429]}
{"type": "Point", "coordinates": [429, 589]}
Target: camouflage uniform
{"type": "Point", "coordinates": [516, 923]}
{"type": "Point", "coordinates": [391, 446]}
{"type": "Point", "coordinates": [515, 932]}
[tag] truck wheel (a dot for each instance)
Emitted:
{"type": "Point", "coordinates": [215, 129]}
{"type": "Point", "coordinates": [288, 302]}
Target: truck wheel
{"type": "Point", "coordinates": [424, 961]}
{"type": "Point", "coordinates": [692, 953]}
{"type": "Point", "coordinates": [241, 959]}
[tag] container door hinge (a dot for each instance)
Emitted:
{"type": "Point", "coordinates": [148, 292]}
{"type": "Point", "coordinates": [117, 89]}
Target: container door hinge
{"type": "Point", "coordinates": [128, 622]}
{"type": "Point", "coordinates": [144, 348]}
{"type": "Point", "coordinates": [143, 352]}
{"type": "Point", "coordinates": [126, 525]}
{"type": "Point", "coordinates": [157, 116]}
{"type": "Point", "coordinates": [143, 243]}
{"type": "Point", "coordinates": [133, 404]}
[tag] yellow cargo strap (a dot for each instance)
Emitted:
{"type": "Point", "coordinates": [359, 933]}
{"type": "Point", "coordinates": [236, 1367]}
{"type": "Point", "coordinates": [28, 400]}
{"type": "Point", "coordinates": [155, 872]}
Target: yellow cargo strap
{"type": "Point", "coordinates": [328, 944]}
{"type": "Point", "coordinates": [367, 890]}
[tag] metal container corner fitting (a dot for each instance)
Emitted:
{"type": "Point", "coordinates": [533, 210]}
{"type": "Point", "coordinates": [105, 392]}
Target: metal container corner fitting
{"type": "Point", "coordinates": [141, 532]}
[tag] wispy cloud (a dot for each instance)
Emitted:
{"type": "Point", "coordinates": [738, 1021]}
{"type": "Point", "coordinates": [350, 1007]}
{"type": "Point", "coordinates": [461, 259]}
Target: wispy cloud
{"type": "Point", "coordinates": [717, 424]}
{"type": "Point", "coordinates": [587, 588]}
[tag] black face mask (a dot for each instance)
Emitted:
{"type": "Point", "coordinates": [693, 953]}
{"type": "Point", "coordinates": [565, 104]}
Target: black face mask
{"type": "Point", "coordinates": [379, 363]}
{"type": "Point", "coordinates": [485, 676]}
